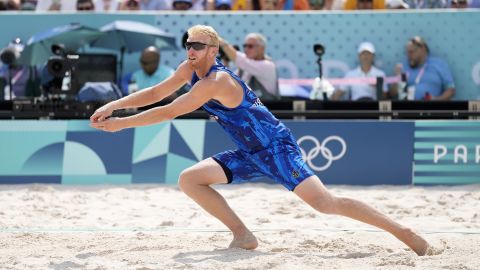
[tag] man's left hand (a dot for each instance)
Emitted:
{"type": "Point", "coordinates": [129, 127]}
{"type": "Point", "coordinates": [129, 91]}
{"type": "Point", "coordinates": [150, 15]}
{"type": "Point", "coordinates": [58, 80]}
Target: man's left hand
{"type": "Point", "coordinates": [112, 124]}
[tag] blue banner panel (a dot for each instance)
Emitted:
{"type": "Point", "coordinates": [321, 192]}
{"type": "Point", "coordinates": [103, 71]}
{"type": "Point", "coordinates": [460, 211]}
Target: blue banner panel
{"type": "Point", "coordinates": [345, 152]}
{"type": "Point", "coordinates": [447, 152]}
{"type": "Point", "coordinates": [27, 179]}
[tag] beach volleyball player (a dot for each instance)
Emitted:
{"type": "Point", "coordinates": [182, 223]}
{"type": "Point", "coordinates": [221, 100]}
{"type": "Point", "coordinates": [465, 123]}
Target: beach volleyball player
{"type": "Point", "coordinates": [265, 145]}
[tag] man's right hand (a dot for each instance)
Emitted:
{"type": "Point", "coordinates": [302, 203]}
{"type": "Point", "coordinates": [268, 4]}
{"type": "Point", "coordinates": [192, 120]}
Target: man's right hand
{"type": "Point", "coordinates": [102, 113]}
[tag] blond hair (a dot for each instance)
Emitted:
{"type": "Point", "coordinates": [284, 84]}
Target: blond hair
{"type": "Point", "coordinates": [205, 30]}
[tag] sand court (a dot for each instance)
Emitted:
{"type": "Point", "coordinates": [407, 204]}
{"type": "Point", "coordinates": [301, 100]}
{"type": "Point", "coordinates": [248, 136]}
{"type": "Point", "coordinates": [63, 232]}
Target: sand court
{"type": "Point", "coordinates": [159, 227]}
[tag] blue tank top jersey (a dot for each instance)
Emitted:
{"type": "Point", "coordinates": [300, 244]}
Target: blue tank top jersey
{"type": "Point", "coordinates": [250, 125]}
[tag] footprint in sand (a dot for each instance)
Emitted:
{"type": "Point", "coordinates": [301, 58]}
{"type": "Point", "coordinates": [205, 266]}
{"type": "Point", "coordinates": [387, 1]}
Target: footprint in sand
{"type": "Point", "coordinates": [279, 249]}
{"type": "Point", "coordinates": [263, 220]}
{"type": "Point", "coordinates": [282, 210]}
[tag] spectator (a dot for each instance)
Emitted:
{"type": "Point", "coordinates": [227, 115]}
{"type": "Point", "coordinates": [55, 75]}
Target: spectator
{"type": "Point", "coordinates": [219, 5]}
{"type": "Point", "coordinates": [9, 5]}
{"type": "Point", "coordinates": [131, 5]}
{"type": "Point", "coordinates": [458, 4]}
{"type": "Point", "coordinates": [396, 4]}
{"type": "Point", "coordinates": [107, 5]}
{"type": "Point", "coordinates": [85, 5]}
{"type": "Point", "coordinates": [182, 5]}
{"type": "Point", "coordinates": [428, 78]}
{"type": "Point", "coordinates": [366, 69]}
{"type": "Point", "coordinates": [151, 72]}
{"type": "Point", "coordinates": [255, 67]}
{"type": "Point", "coordinates": [364, 4]}
{"type": "Point", "coordinates": [56, 5]}
{"type": "Point", "coordinates": [28, 5]}
{"type": "Point", "coordinates": [155, 4]}
{"type": "Point", "coordinates": [242, 5]}
{"type": "Point", "coordinates": [426, 4]}
{"type": "Point", "coordinates": [293, 5]}
{"type": "Point", "coordinates": [474, 4]}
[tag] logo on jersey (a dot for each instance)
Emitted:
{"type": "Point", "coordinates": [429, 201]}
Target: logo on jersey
{"type": "Point", "coordinates": [323, 150]}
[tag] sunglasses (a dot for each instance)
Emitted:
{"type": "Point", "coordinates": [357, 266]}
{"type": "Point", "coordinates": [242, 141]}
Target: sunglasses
{"type": "Point", "coordinates": [249, 46]}
{"type": "Point", "coordinates": [197, 46]}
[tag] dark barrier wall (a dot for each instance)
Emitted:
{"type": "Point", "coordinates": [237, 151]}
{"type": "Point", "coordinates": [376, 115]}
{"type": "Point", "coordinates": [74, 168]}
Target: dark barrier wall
{"type": "Point", "coordinates": [340, 152]}
{"type": "Point", "coordinates": [451, 34]}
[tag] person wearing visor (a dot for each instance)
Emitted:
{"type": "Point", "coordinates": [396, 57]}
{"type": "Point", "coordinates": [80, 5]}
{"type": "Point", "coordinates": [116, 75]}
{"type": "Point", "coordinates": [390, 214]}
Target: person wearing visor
{"type": "Point", "coordinates": [366, 69]}
{"type": "Point", "coordinates": [266, 147]}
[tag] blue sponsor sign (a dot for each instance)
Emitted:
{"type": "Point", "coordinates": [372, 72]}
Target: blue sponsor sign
{"type": "Point", "coordinates": [344, 152]}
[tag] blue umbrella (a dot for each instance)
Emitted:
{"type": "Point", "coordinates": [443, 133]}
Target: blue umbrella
{"type": "Point", "coordinates": [132, 36]}
{"type": "Point", "coordinates": [73, 36]}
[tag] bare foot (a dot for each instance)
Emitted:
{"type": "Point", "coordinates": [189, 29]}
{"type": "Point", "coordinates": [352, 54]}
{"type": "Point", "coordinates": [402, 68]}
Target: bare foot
{"type": "Point", "coordinates": [245, 241]}
{"type": "Point", "coordinates": [416, 243]}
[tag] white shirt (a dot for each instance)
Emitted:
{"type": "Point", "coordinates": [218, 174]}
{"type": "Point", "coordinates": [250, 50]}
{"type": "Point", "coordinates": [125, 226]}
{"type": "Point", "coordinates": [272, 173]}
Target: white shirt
{"type": "Point", "coordinates": [363, 90]}
{"type": "Point", "coordinates": [263, 70]}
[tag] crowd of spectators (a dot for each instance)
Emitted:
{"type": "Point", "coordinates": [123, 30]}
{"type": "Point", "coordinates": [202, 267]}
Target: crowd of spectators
{"type": "Point", "coordinates": [426, 76]}
{"type": "Point", "coordinates": [222, 5]}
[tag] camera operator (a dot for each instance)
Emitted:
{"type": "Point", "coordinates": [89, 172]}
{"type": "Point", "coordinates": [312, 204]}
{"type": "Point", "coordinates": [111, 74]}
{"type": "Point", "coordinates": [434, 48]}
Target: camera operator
{"type": "Point", "coordinates": [17, 80]}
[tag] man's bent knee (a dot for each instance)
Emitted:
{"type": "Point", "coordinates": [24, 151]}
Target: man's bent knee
{"type": "Point", "coordinates": [185, 181]}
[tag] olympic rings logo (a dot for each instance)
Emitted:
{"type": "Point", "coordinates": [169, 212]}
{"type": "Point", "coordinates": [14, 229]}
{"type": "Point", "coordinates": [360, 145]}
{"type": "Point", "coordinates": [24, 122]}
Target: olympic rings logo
{"type": "Point", "coordinates": [321, 148]}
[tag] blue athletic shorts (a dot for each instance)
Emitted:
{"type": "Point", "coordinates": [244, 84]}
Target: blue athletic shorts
{"type": "Point", "coordinates": [283, 163]}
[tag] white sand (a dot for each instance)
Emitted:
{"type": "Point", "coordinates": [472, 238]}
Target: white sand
{"type": "Point", "coordinates": [158, 227]}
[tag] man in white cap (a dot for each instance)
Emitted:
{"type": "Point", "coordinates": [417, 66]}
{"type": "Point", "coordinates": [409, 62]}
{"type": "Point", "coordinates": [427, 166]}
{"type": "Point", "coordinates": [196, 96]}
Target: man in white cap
{"type": "Point", "coordinates": [366, 69]}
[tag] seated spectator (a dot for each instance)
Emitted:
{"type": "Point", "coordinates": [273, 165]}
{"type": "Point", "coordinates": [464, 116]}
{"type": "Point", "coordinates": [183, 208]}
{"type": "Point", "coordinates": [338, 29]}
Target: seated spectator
{"type": "Point", "coordinates": [474, 4]}
{"type": "Point", "coordinates": [219, 5]}
{"type": "Point", "coordinates": [428, 78]}
{"type": "Point", "coordinates": [155, 4]}
{"type": "Point", "coordinates": [151, 72]}
{"type": "Point", "coordinates": [107, 5]}
{"type": "Point", "coordinates": [242, 5]}
{"type": "Point", "coordinates": [85, 5]}
{"type": "Point", "coordinates": [364, 4]}
{"type": "Point", "coordinates": [458, 4]}
{"type": "Point", "coordinates": [255, 67]}
{"type": "Point", "coordinates": [56, 5]}
{"type": "Point", "coordinates": [396, 4]}
{"type": "Point", "coordinates": [9, 5]}
{"type": "Point", "coordinates": [366, 69]}
{"type": "Point", "coordinates": [131, 5]}
{"type": "Point", "coordinates": [182, 5]}
{"type": "Point", "coordinates": [28, 5]}
{"type": "Point", "coordinates": [426, 4]}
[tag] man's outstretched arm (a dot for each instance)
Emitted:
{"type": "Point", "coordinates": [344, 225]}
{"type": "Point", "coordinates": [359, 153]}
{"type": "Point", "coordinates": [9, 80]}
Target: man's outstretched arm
{"type": "Point", "coordinates": [202, 92]}
{"type": "Point", "coordinates": [146, 96]}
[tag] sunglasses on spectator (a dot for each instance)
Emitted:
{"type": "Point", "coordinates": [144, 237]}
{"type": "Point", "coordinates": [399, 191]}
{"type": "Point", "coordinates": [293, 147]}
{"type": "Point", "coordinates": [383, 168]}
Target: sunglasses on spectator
{"type": "Point", "coordinates": [197, 46]}
{"type": "Point", "coordinates": [249, 46]}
